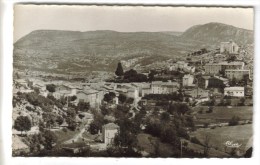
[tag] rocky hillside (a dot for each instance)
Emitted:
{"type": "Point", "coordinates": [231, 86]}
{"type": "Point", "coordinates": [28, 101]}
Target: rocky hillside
{"type": "Point", "coordinates": [216, 32]}
{"type": "Point", "coordinates": [72, 51]}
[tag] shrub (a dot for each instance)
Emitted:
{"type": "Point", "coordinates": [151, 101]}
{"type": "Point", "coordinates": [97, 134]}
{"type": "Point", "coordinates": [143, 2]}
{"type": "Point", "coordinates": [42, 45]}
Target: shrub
{"type": "Point", "coordinates": [64, 129]}
{"type": "Point", "coordinates": [234, 121]}
{"type": "Point", "coordinates": [29, 108]}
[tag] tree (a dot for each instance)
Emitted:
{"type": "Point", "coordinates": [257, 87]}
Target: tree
{"type": "Point", "coordinates": [108, 97]}
{"type": "Point", "coordinates": [234, 121]}
{"type": "Point", "coordinates": [71, 113]}
{"type": "Point", "coordinates": [49, 139]}
{"type": "Point", "coordinates": [22, 123]}
{"type": "Point", "coordinates": [59, 120]}
{"type": "Point", "coordinates": [73, 98]}
{"type": "Point", "coordinates": [130, 100]}
{"type": "Point", "coordinates": [169, 135]}
{"type": "Point", "coordinates": [242, 102]}
{"type": "Point", "coordinates": [222, 72]}
{"type": "Point", "coordinates": [83, 106]}
{"type": "Point", "coordinates": [151, 75]}
{"type": "Point", "coordinates": [49, 118]}
{"type": "Point", "coordinates": [71, 119]}
{"type": "Point", "coordinates": [72, 125]}
{"type": "Point", "coordinates": [93, 128]}
{"type": "Point", "coordinates": [233, 82]}
{"type": "Point", "coordinates": [187, 100]}
{"type": "Point", "coordinates": [232, 58]}
{"type": "Point", "coordinates": [119, 70]}
{"type": "Point", "coordinates": [122, 98]}
{"type": "Point", "coordinates": [97, 123]}
{"type": "Point", "coordinates": [207, 146]}
{"type": "Point", "coordinates": [183, 108]}
{"type": "Point", "coordinates": [35, 142]}
{"type": "Point", "coordinates": [165, 117]}
{"type": "Point", "coordinates": [245, 79]}
{"type": "Point", "coordinates": [130, 73]}
{"type": "Point", "coordinates": [50, 87]}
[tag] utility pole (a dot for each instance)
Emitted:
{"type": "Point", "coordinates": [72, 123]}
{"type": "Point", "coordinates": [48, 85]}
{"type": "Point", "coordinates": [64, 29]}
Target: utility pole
{"type": "Point", "coordinates": [197, 86]}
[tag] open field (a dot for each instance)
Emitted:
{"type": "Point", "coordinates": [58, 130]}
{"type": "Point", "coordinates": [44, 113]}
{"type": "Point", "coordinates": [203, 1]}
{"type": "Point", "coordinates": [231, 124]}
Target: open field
{"type": "Point", "coordinates": [219, 136]}
{"type": "Point", "coordinates": [65, 135]}
{"type": "Point", "coordinates": [212, 153]}
{"type": "Point", "coordinates": [223, 114]}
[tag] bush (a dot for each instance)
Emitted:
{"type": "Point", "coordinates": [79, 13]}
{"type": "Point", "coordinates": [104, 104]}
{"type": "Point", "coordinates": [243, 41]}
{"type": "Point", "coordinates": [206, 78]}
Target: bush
{"type": "Point", "coordinates": [29, 108]}
{"type": "Point", "coordinates": [234, 121]}
{"type": "Point", "coordinates": [50, 87]}
{"type": "Point", "coordinates": [64, 129]}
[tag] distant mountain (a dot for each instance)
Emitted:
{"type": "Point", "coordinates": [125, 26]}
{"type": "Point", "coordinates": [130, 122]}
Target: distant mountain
{"type": "Point", "coordinates": [216, 32]}
{"type": "Point", "coordinates": [63, 51]}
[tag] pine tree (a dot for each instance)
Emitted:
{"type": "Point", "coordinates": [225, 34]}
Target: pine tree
{"type": "Point", "coordinates": [119, 70]}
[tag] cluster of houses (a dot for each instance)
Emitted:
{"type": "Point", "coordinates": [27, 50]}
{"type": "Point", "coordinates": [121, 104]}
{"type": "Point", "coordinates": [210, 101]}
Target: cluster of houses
{"type": "Point", "coordinates": [218, 72]}
{"type": "Point", "coordinates": [182, 65]}
{"type": "Point", "coordinates": [217, 75]}
{"type": "Point", "coordinates": [221, 71]}
{"type": "Point", "coordinates": [94, 92]}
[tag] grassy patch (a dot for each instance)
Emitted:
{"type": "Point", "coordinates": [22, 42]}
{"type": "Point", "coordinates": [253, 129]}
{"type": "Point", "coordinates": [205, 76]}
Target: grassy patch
{"type": "Point", "coordinates": [219, 136]}
{"type": "Point", "coordinates": [223, 114]}
{"type": "Point", "coordinates": [65, 135]}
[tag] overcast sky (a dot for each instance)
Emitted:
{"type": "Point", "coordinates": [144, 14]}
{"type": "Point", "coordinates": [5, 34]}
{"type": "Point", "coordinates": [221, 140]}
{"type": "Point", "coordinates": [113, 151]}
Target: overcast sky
{"type": "Point", "coordinates": [124, 19]}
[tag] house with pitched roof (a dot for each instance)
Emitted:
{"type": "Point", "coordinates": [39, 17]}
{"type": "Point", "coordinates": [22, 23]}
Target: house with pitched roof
{"type": "Point", "coordinates": [109, 131]}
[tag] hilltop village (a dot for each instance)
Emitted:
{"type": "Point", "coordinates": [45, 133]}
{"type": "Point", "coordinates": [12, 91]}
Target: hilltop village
{"type": "Point", "coordinates": [171, 110]}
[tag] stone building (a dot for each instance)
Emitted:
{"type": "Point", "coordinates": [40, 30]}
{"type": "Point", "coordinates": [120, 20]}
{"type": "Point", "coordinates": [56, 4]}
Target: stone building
{"type": "Point", "coordinates": [187, 80]}
{"type": "Point", "coordinates": [229, 47]}
{"type": "Point", "coordinates": [109, 131]}
{"type": "Point", "coordinates": [238, 74]}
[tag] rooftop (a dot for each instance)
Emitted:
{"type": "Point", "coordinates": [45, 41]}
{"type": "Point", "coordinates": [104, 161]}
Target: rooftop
{"type": "Point", "coordinates": [228, 63]}
{"type": "Point", "coordinates": [237, 70]}
{"type": "Point", "coordinates": [110, 126]}
{"type": "Point", "coordinates": [234, 88]}
{"type": "Point", "coordinates": [89, 91]}
{"type": "Point", "coordinates": [187, 76]}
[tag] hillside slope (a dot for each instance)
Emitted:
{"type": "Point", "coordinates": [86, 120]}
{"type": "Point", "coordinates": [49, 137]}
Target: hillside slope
{"type": "Point", "coordinates": [67, 51]}
{"type": "Point", "coordinates": [216, 32]}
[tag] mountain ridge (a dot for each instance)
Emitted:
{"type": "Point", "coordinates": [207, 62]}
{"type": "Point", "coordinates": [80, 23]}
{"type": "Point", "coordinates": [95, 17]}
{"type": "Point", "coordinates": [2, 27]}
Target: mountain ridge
{"type": "Point", "coordinates": [56, 49]}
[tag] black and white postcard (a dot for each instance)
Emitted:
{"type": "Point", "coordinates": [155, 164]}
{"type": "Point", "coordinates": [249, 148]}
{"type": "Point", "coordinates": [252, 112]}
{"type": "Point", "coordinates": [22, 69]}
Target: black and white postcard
{"type": "Point", "coordinates": [132, 81]}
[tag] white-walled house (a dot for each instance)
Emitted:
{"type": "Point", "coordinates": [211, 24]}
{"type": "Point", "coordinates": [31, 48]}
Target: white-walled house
{"type": "Point", "coordinates": [229, 47]}
{"type": "Point", "coordinates": [109, 131]}
{"type": "Point", "coordinates": [94, 97]}
{"type": "Point", "coordinates": [234, 91]}
{"type": "Point", "coordinates": [159, 87]}
{"type": "Point", "coordinates": [187, 80]}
